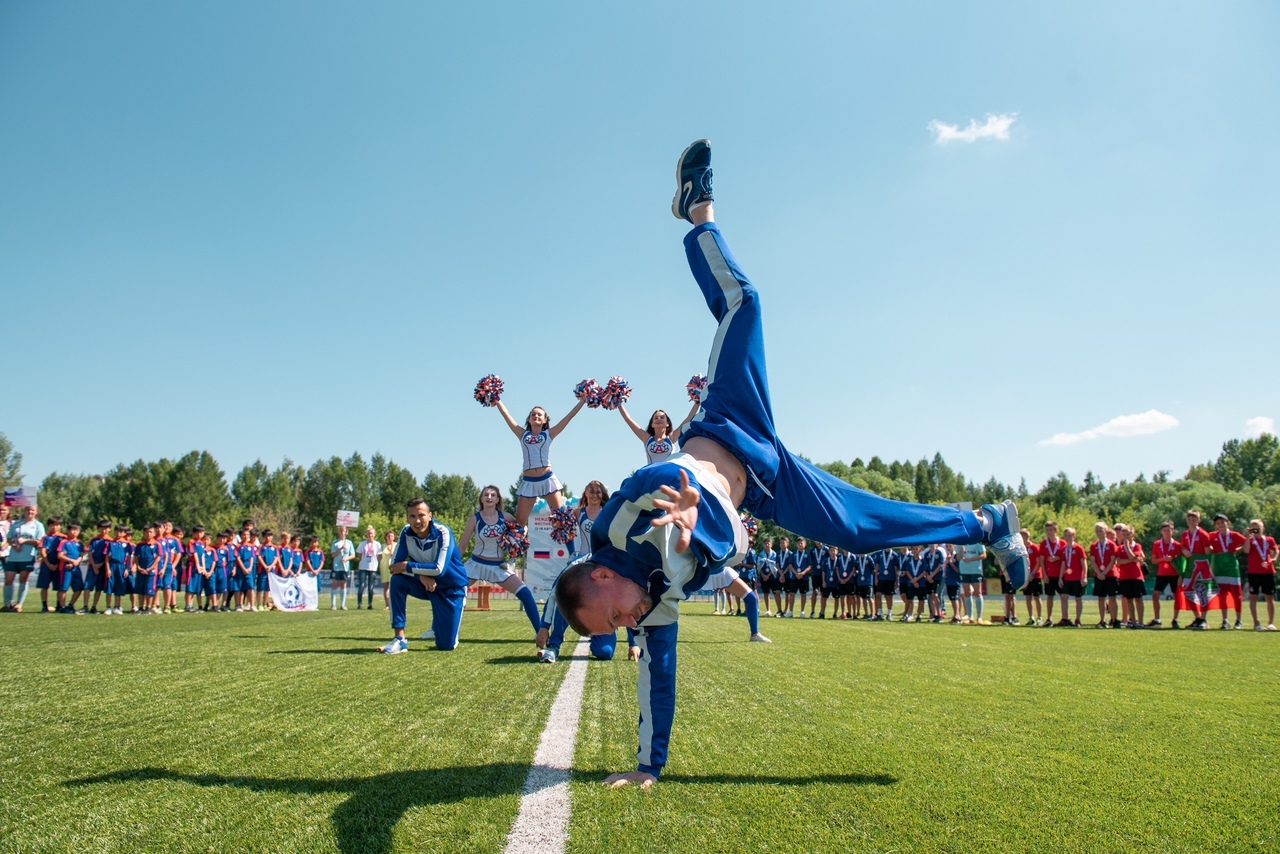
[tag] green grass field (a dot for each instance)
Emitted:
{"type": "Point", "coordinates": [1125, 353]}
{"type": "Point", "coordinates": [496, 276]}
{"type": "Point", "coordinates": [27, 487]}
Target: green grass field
{"type": "Point", "coordinates": [270, 732]}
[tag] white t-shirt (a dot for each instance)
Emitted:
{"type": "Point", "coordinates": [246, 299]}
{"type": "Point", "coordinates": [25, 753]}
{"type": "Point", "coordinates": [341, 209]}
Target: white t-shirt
{"type": "Point", "coordinates": [369, 555]}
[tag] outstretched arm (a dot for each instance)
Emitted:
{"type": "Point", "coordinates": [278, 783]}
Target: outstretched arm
{"type": "Point", "coordinates": [675, 434]}
{"type": "Point", "coordinates": [656, 693]}
{"type": "Point", "coordinates": [640, 432]}
{"type": "Point", "coordinates": [564, 422]}
{"type": "Point", "coordinates": [511, 422]}
{"type": "Point", "coordinates": [682, 510]}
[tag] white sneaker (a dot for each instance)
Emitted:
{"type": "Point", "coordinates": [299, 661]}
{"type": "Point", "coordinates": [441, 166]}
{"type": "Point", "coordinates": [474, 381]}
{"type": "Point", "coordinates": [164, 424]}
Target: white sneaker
{"type": "Point", "coordinates": [239, 609]}
{"type": "Point", "coordinates": [333, 607]}
{"type": "Point", "coordinates": [759, 638]}
{"type": "Point", "coordinates": [344, 607]}
{"type": "Point", "coordinates": [429, 634]}
{"type": "Point", "coordinates": [1271, 627]}
{"type": "Point", "coordinates": [546, 656]}
{"type": "Point", "coordinates": [395, 647]}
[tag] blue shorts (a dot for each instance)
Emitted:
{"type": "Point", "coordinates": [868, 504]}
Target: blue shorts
{"type": "Point", "coordinates": [119, 582]}
{"type": "Point", "coordinates": [46, 578]}
{"type": "Point", "coordinates": [195, 584]}
{"type": "Point", "coordinates": [166, 580]}
{"type": "Point", "coordinates": [217, 583]}
{"type": "Point", "coordinates": [144, 583]}
{"type": "Point", "coordinates": [242, 584]}
{"type": "Point", "coordinates": [260, 582]}
{"type": "Point", "coordinates": [101, 579]}
{"type": "Point", "coordinates": [73, 580]}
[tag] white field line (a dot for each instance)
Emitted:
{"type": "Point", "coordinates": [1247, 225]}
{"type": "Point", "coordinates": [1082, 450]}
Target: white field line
{"type": "Point", "coordinates": [543, 820]}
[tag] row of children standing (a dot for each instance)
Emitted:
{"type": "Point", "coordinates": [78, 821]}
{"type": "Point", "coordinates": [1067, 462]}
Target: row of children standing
{"type": "Point", "coordinates": [229, 572]}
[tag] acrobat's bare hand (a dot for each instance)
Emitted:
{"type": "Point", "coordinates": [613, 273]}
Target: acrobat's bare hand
{"type": "Point", "coordinates": [682, 510]}
{"type": "Point", "coordinates": [633, 653]}
{"type": "Point", "coordinates": [544, 635]}
{"type": "Point", "coordinates": [644, 780]}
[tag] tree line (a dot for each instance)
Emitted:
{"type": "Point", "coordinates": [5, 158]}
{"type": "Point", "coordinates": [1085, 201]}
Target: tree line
{"type": "Point", "coordinates": [1243, 482]}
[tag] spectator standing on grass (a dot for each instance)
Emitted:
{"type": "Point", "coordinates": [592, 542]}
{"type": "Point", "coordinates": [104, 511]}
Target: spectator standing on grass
{"type": "Point", "coordinates": [368, 551]}
{"type": "Point", "coordinates": [951, 579]}
{"type": "Point", "coordinates": [970, 560]}
{"type": "Point", "coordinates": [5, 523]}
{"type": "Point", "coordinates": [49, 575]}
{"type": "Point", "coordinates": [313, 562]}
{"type": "Point", "coordinates": [384, 567]}
{"type": "Point", "coordinates": [786, 567]}
{"type": "Point", "coordinates": [24, 538]}
{"type": "Point", "coordinates": [770, 581]}
{"type": "Point", "coordinates": [1035, 587]}
{"type": "Point", "coordinates": [1223, 546]}
{"type": "Point", "coordinates": [342, 551]}
{"type": "Point", "coordinates": [1262, 553]}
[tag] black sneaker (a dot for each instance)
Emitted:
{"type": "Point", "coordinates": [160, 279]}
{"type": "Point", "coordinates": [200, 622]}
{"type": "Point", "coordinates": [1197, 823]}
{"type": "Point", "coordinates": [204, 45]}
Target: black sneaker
{"type": "Point", "coordinates": [1175, 625]}
{"type": "Point", "coordinates": [693, 178]}
{"type": "Point", "coordinates": [1154, 624]}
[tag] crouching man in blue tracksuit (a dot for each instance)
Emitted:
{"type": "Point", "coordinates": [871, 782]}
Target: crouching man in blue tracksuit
{"type": "Point", "coordinates": [672, 524]}
{"type": "Point", "coordinates": [427, 565]}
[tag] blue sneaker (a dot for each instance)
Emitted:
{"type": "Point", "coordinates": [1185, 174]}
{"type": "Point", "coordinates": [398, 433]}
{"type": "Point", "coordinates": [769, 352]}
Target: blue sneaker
{"type": "Point", "coordinates": [693, 178]}
{"type": "Point", "coordinates": [397, 646]}
{"type": "Point", "coordinates": [1006, 542]}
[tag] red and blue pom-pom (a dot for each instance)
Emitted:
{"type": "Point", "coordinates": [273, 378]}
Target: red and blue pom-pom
{"type": "Point", "coordinates": [564, 526]}
{"type": "Point", "coordinates": [695, 386]}
{"type": "Point", "coordinates": [749, 522]}
{"type": "Point", "coordinates": [588, 391]}
{"type": "Point", "coordinates": [616, 392]}
{"type": "Point", "coordinates": [514, 540]}
{"type": "Point", "coordinates": [489, 390]}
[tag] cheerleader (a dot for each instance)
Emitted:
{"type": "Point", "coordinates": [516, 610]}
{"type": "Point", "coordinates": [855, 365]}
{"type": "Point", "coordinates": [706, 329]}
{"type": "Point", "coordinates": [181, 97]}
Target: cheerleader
{"type": "Point", "coordinates": [488, 525]}
{"type": "Point", "coordinates": [659, 439]}
{"type": "Point", "coordinates": [536, 479]}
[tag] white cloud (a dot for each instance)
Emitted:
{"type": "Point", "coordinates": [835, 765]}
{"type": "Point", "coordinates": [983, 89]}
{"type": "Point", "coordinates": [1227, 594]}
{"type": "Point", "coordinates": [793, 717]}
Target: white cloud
{"type": "Point", "coordinates": [1255, 427]}
{"type": "Point", "coordinates": [1142, 424]}
{"type": "Point", "coordinates": [995, 127]}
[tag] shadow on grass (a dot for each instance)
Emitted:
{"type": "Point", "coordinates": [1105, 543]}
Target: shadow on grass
{"type": "Point", "coordinates": [360, 651]}
{"type": "Point", "coordinates": [365, 821]}
{"type": "Point", "coordinates": [597, 776]}
{"type": "Point", "coordinates": [513, 659]}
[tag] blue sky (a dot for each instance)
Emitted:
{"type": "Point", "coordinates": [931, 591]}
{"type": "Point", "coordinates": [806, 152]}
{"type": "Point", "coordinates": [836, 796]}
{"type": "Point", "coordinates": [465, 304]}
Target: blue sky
{"type": "Point", "coordinates": [307, 229]}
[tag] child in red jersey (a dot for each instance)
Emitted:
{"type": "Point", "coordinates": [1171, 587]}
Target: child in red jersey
{"type": "Point", "coordinates": [1127, 561]}
{"type": "Point", "coordinates": [1052, 550]}
{"type": "Point", "coordinates": [1167, 553]}
{"type": "Point", "coordinates": [1262, 552]}
{"type": "Point", "coordinates": [1074, 562]}
{"type": "Point", "coordinates": [1224, 543]}
{"type": "Point", "coordinates": [1105, 578]}
{"type": "Point", "coordinates": [1195, 553]}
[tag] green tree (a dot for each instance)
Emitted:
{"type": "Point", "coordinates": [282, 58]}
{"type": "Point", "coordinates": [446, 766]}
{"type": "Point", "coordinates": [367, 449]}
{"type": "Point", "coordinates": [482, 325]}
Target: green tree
{"type": "Point", "coordinates": [10, 463]}
{"type": "Point", "coordinates": [451, 495]}
{"type": "Point", "coordinates": [197, 490]}
{"type": "Point", "coordinates": [74, 497]}
{"type": "Point", "coordinates": [1058, 493]}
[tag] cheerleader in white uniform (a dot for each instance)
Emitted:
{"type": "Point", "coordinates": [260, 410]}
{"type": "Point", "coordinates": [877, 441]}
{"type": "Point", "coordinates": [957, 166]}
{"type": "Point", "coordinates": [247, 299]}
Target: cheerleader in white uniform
{"type": "Point", "coordinates": [659, 439]}
{"type": "Point", "coordinates": [536, 479]}
{"type": "Point", "coordinates": [487, 561]}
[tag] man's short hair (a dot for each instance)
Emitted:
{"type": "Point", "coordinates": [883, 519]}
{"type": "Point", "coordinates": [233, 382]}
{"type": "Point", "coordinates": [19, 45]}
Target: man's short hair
{"type": "Point", "coordinates": [414, 502]}
{"type": "Point", "coordinates": [571, 593]}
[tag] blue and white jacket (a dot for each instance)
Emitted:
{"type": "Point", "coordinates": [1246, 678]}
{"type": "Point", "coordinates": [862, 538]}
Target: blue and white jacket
{"type": "Point", "coordinates": [436, 554]}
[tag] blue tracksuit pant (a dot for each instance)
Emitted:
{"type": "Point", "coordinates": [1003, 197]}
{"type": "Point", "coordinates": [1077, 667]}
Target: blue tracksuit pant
{"type": "Point", "coordinates": [736, 413]}
{"type": "Point", "coordinates": [446, 607]}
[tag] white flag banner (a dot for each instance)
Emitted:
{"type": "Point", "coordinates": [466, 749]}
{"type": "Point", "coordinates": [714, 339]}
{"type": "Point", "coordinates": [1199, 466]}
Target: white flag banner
{"type": "Point", "coordinates": [299, 593]}
{"type": "Point", "coordinates": [545, 557]}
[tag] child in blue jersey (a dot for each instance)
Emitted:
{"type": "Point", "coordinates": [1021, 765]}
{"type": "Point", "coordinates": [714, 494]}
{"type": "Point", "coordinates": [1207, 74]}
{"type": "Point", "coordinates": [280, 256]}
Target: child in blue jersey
{"type": "Point", "coordinates": [671, 525]}
{"type": "Point", "coordinates": [800, 565]}
{"type": "Point", "coordinates": [845, 584]}
{"type": "Point", "coordinates": [268, 562]}
{"type": "Point", "coordinates": [49, 575]}
{"type": "Point", "coordinates": [245, 563]}
{"type": "Point", "coordinates": [829, 567]}
{"type": "Point", "coordinates": [98, 568]}
{"type": "Point", "coordinates": [770, 576]}
{"type": "Point", "coordinates": [313, 560]}
{"type": "Point", "coordinates": [951, 580]}
{"type": "Point", "coordinates": [194, 578]}
{"type": "Point", "coordinates": [148, 561]}
{"type": "Point", "coordinates": [865, 583]}
{"type": "Point", "coordinates": [70, 557]}
{"type": "Point", "coordinates": [887, 562]}
{"type": "Point", "coordinates": [427, 565]}
{"type": "Point", "coordinates": [120, 571]}
{"type": "Point", "coordinates": [171, 561]}
{"type": "Point", "coordinates": [216, 596]}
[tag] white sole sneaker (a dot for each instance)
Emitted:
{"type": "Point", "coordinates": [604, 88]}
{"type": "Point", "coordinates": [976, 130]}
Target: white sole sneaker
{"type": "Point", "coordinates": [759, 638]}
